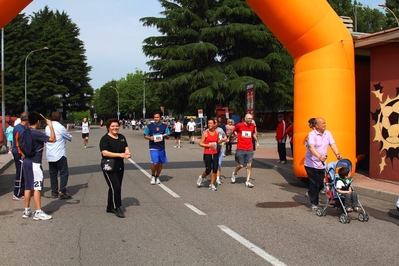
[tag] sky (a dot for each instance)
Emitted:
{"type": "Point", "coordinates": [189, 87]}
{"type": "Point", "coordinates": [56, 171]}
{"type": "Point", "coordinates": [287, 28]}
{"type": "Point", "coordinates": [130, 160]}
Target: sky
{"type": "Point", "coordinates": [112, 34]}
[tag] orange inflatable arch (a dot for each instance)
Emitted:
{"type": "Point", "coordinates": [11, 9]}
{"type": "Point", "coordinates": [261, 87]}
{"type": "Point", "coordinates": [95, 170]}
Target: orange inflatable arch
{"type": "Point", "coordinates": [322, 48]}
{"type": "Point", "coordinates": [324, 82]}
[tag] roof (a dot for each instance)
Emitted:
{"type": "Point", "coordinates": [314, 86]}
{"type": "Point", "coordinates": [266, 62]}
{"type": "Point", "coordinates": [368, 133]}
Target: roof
{"type": "Point", "coordinates": [376, 39]}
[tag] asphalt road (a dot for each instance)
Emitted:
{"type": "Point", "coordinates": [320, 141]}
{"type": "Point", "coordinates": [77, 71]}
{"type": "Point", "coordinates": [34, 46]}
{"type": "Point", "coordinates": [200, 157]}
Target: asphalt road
{"type": "Point", "coordinates": [177, 223]}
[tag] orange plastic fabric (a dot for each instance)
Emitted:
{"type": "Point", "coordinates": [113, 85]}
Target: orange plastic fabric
{"type": "Point", "coordinates": [324, 82]}
{"type": "Point", "coordinates": [9, 9]}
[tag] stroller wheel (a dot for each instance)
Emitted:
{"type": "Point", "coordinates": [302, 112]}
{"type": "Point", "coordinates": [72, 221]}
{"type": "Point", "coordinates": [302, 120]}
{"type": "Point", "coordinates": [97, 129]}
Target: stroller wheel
{"type": "Point", "coordinates": [361, 217]}
{"type": "Point", "coordinates": [348, 218]}
{"type": "Point", "coordinates": [325, 212]}
{"type": "Point", "coordinates": [342, 218]}
{"type": "Point", "coordinates": [319, 212]}
{"type": "Point", "coordinates": [366, 217]}
{"type": "Point", "coordinates": [340, 211]}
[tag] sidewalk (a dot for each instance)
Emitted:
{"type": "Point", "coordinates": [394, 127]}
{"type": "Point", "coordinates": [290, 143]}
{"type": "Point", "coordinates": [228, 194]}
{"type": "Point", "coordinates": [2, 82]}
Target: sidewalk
{"type": "Point", "coordinates": [379, 189]}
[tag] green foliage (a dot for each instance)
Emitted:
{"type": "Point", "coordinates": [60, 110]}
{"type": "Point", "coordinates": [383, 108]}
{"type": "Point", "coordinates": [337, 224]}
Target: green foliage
{"type": "Point", "coordinates": [208, 52]}
{"type": "Point", "coordinates": [57, 78]}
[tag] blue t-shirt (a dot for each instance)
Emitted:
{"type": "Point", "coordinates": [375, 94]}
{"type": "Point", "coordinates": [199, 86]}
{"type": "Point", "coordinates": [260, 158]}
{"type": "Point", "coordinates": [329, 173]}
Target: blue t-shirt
{"type": "Point", "coordinates": [39, 138]}
{"type": "Point", "coordinates": [9, 131]}
{"type": "Point", "coordinates": [18, 128]}
{"type": "Point", "coordinates": [157, 129]}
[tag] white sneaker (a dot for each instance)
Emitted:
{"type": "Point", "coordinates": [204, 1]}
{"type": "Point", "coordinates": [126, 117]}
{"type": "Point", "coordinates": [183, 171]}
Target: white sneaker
{"type": "Point", "coordinates": [158, 181]}
{"type": "Point", "coordinates": [233, 178]}
{"type": "Point", "coordinates": [218, 181]}
{"type": "Point", "coordinates": [212, 187]}
{"type": "Point", "coordinates": [27, 214]}
{"type": "Point", "coordinates": [199, 181]}
{"type": "Point", "coordinates": [175, 146]}
{"type": "Point", "coordinates": [249, 184]}
{"type": "Point", "coordinates": [224, 155]}
{"type": "Point", "coordinates": [152, 182]}
{"type": "Point", "coordinates": [179, 147]}
{"type": "Point", "coordinates": [41, 216]}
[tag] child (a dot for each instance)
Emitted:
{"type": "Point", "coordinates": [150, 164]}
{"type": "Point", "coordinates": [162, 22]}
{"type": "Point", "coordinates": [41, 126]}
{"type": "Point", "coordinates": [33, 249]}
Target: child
{"type": "Point", "coordinates": [344, 188]}
{"type": "Point", "coordinates": [9, 134]}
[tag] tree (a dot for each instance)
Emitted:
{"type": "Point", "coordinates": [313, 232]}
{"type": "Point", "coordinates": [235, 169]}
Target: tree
{"type": "Point", "coordinates": [56, 78]}
{"type": "Point", "coordinates": [209, 50]}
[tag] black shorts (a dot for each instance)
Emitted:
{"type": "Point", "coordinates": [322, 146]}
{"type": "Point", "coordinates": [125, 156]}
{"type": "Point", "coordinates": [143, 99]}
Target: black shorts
{"type": "Point", "coordinates": [177, 135]}
{"type": "Point", "coordinates": [85, 135]}
{"type": "Point", "coordinates": [191, 133]}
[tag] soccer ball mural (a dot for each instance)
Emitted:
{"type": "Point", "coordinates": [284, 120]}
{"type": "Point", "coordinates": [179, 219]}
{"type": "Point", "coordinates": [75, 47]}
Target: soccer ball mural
{"type": "Point", "coordinates": [386, 128]}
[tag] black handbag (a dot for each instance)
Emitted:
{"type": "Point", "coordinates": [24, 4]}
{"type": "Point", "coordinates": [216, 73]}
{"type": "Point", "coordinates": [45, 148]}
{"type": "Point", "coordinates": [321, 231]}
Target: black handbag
{"type": "Point", "coordinates": [108, 164]}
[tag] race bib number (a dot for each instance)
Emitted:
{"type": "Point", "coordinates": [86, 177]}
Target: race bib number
{"type": "Point", "coordinates": [158, 138]}
{"type": "Point", "coordinates": [246, 134]}
{"type": "Point", "coordinates": [212, 145]}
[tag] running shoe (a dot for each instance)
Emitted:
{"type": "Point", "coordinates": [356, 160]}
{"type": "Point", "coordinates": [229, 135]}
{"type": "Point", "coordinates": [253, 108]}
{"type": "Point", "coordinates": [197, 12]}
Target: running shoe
{"type": "Point", "coordinates": [17, 198]}
{"type": "Point", "coordinates": [158, 181]}
{"type": "Point", "coordinates": [41, 216]}
{"type": "Point", "coordinates": [314, 207]}
{"type": "Point", "coordinates": [218, 181]}
{"type": "Point", "coordinates": [212, 187]}
{"type": "Point", "coordinates": [249, 184]}
{"type": "Point", "coordinates": [27, 214]}
{"type": "Point", "coordinates": [199, 181]}
{"type": "Point", "coordinates": [233, 178]}
{"type": "Point", "coordinates": [152, 182]}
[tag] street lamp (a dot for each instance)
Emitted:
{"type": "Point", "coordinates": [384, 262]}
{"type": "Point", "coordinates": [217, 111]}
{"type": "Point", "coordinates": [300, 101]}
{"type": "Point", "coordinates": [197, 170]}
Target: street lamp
{"type": "Point", "coordinates": [387, 8]}
{"type": "Point", "coordinates": [26, 66]}
{"type": "Point", "coordinates": [117, 93]}
{"type": "Point", "coordinates": [144, 99]}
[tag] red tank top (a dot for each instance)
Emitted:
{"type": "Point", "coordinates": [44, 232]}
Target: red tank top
{"type": "Point", "coordinates": [209, 139]}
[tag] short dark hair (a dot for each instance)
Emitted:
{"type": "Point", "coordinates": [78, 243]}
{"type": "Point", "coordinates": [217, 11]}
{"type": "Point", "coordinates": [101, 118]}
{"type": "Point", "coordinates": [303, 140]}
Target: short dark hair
{"type": "Point", "coordinates": [55, 116]}
{"type": "Point", "coordinates": [110, 121]}
{"type": "Point", "coordinates": [158, 113]}
{"type": "Point", "coordinates": [33, 117]}
{"type": "Point", "coordinates": [312, 121]}
{"type": "Point", "coordinates": [343, 171]}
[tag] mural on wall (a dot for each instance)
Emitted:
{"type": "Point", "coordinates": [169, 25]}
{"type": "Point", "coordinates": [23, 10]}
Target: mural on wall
{"type": "Point", "coordinates": [386, 128]}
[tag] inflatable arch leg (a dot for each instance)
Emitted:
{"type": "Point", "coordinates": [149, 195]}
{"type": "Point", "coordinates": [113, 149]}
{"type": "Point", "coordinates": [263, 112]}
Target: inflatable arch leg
{"type": "Point", "coordinates": [324, 82]}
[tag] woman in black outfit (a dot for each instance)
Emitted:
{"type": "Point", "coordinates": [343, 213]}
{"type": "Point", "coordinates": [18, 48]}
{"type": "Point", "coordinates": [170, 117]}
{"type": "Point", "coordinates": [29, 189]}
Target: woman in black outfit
{"type": "Point", "coordinates": [114, 145]}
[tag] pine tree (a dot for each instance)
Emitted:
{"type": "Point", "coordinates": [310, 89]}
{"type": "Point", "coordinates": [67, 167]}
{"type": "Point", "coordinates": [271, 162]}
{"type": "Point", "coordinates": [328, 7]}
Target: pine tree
{"type": "Point", "coordinates": [209, 50]}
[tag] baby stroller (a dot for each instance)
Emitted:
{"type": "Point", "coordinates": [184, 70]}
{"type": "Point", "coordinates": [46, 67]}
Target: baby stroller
{"type": "Point", "coordinates": [333, 197]}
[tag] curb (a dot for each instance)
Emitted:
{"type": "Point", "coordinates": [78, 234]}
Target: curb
{"type": "Point", "coordinates": [362, 191]}
{"type": "Point", "coordinates": [6, 165]}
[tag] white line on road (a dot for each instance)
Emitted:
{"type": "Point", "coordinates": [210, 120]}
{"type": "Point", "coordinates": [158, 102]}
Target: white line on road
{"type": "Point", "coordinates": [149, 176]}
{"type": "Point", "coordinates": [194, 209]}
{"type": "Point", "coordinates": [257, 250]}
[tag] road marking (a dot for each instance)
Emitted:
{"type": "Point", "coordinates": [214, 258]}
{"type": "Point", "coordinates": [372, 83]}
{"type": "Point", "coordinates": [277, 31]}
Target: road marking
{"type": "Point", "coordinates": [173, 194]}
{"type": "Point", "coordinates": [195, 209]}
{"type": "Point", "coordinates": [257, 250]}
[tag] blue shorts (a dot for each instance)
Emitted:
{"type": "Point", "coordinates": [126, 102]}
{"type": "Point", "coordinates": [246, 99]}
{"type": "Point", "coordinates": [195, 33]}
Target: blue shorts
{"type": "Point", "coordinates": [158, 156]}
{"type": "Point", "coordinates": [33, 174]}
